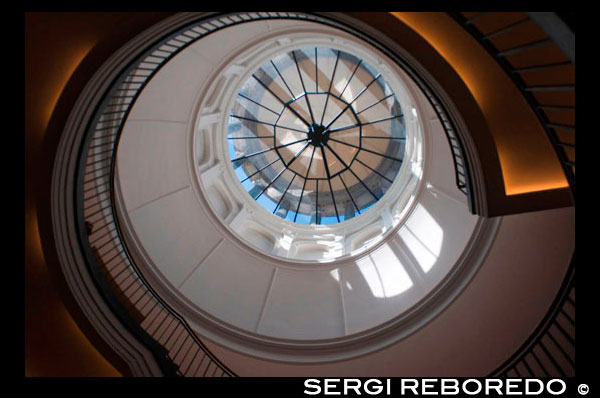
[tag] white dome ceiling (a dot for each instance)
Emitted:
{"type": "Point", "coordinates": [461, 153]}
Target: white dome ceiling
{"type": "Point", "coordinates": [225, 260]}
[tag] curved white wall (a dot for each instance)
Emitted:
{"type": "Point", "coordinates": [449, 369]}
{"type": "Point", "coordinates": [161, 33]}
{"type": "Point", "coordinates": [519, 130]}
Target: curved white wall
{"type": "Point", "coordinates": [498, 310]}
{"type": "Point", "coordinates": [223, 281]}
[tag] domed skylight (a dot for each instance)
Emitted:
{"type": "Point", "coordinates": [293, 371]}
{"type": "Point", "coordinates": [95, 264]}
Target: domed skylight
{"type": "Point", "coordinates": [316, 135]}
{"type": "Point", "coordinates": [317, 123]}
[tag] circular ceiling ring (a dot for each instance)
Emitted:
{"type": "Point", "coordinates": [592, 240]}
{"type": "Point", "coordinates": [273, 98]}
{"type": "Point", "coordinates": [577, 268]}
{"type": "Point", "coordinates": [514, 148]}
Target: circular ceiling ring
{"type": "Point", "coordinates": [378, 151]}
{"type": "Point", "coordinates": [239, 226]}
{"type": "Point", "coordinates": [96, 160]}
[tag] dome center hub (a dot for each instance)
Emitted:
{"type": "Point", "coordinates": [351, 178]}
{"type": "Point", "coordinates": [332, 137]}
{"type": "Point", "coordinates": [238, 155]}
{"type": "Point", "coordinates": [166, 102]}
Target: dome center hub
{"type": "Point", "coordinates": [317, 135]}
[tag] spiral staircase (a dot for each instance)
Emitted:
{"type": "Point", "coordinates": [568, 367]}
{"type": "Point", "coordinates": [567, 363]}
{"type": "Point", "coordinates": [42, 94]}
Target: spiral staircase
{"type": "Point", "coordinates": [178, 273]}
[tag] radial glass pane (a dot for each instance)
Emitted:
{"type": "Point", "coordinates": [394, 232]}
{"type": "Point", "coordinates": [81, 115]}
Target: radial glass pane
{"type": "Point", "coordinates": [316, 136]}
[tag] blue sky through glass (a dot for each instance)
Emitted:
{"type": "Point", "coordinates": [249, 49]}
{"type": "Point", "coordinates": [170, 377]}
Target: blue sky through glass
{"type": "Point", "coordinates": [258, 113]}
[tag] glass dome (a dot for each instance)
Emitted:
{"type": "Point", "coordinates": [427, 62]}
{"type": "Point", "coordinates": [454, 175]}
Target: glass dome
{"type": "Point", "coordinates": [316, 135]}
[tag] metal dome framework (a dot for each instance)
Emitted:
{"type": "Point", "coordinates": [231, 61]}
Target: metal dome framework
{"type": "Point", "coordinates": [340, 123]}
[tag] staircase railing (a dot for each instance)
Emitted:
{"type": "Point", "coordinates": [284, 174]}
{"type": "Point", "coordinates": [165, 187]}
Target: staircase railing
{"type": "Point", "coordinates": [549, 88]}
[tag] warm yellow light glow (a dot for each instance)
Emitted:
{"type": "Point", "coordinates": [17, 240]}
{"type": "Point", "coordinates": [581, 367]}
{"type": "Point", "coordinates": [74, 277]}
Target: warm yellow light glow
{"type": "Point", "coordinates": [32, 237]}
{"type": "Point", "coordinates": [56, 315]}
{"type": "Point", "coordinates": [548, 186]}
{"type": "Point", "coordinates": [49, 326]}
{"type": "Point", "coordinates": [526, 157]}
{"type": "Point", "coordinates": [61, 79]}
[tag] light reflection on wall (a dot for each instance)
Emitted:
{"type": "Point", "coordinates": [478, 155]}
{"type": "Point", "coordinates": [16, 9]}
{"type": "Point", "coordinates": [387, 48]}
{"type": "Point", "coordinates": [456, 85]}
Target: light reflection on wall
{"type": "Point", "coordinates": [384, 273]}
{"type": "Point", "coordinates": [383, 270]}
{"type": "Point", "coordinates": [423, 236]}
{"type": "Point", "coordinates": [55, 344]}
{"type": "Point", "coordinates": [60, 80]}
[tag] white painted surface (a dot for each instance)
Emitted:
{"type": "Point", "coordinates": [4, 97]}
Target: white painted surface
{"type": "Point", "coordinates": [303, 305]}
{"type": "Point", "coordinates": [230, 287]}
{"type": "Point", "coordinates": [222, 44]}
{"type": "Point", "coordinates": [151, 159]}
{"type": "Point", "coordinates": [496, 312]}
{"type": "Point", "coordinates": [174, 233]}
{"type": "Point", "coordinates": [170, 95]}
{"type": "Point", "coordinates": [377, 289]}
